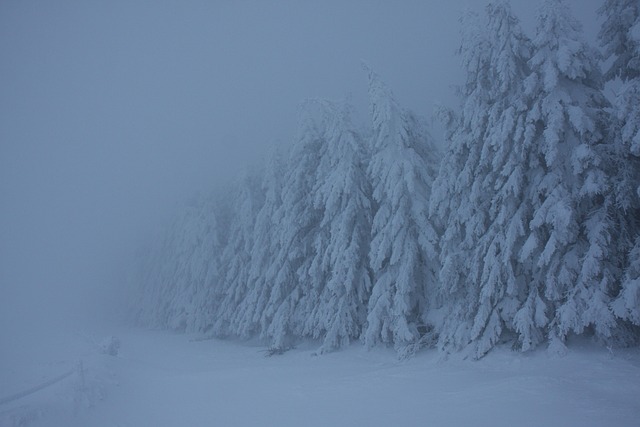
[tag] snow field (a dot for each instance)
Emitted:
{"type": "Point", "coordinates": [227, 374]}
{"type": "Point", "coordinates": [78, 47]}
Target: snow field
{"type": "Point", "coordinates": [167, 380]}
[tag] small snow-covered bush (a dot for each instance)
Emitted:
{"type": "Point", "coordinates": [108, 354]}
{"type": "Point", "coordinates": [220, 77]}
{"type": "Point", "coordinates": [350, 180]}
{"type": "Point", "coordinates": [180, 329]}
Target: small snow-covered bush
{"type": "Point", "coordinates": [110, 346]}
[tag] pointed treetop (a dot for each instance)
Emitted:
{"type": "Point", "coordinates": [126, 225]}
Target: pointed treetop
{"type": "Point", "coordinates": [510, 47]}
{"type": "Point", "coordinates": [387, 115]}
{"type": "Point", "coordinates": [556, 20]}
{"type": "Point", "coordinates": [378, 90]}
{"type": "Point", "coordinates": [560, 49]}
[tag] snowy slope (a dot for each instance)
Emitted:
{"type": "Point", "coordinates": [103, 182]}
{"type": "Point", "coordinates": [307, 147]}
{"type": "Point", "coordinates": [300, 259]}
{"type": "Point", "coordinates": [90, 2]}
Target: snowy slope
{"type": "Point", "coordinates": [161, 379]}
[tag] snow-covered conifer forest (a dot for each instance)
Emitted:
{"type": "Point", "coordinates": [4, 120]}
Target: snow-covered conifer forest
{"type": "Point", "coordinates": [521, 228]}
{"type": "Point", "coordinates": [319, 213]}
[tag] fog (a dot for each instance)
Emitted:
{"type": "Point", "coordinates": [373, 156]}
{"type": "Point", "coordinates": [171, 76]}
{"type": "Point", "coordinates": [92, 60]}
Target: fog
{"type": "Point", "coordinates": [112, 113]}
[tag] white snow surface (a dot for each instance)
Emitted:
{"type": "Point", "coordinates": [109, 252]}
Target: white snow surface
{"type": "Point", "coordinates": [164, 379]}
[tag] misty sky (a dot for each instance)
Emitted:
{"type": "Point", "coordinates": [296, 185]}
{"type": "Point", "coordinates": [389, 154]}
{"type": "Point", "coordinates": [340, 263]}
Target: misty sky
{"type": "Point", "coordinates": [111, 112]}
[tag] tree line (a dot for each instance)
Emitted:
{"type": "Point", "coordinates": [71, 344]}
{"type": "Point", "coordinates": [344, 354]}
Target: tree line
{"type": "Point", "coordinates": [525, 230]}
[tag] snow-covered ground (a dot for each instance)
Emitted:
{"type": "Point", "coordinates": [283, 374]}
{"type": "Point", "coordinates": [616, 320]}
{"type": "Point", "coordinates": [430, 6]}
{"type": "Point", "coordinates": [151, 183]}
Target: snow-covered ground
{"type": "Point", "coordinates": [163, 379]}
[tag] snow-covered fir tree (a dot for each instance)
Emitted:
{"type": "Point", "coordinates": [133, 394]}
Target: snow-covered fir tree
{"type": "Point", "coordinates": [527, 246]}
{"type": "Point", "coordinates": [233, 281]}
{"type": "Point", "coordinates": [297, 221]}
{"type": "Point", "coordinates": [249, 320]}
{"type": "Point", "coordinates": [402, 168]}
{"type": "Point", "coordinates": [620, 37]}
{"type": "Point", "coordinates": [568, 250]}
{"type": "Point", "coordinates": [339, 272]}
{"type": "Point", "coordinates": [449, 197]}
{"type": "Point", "coordinates": [480, 190]}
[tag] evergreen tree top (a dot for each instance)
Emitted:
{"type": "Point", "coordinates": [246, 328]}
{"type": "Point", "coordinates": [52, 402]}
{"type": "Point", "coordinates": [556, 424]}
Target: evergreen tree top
{"type": "Point", "coordinates": [620, 37]}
